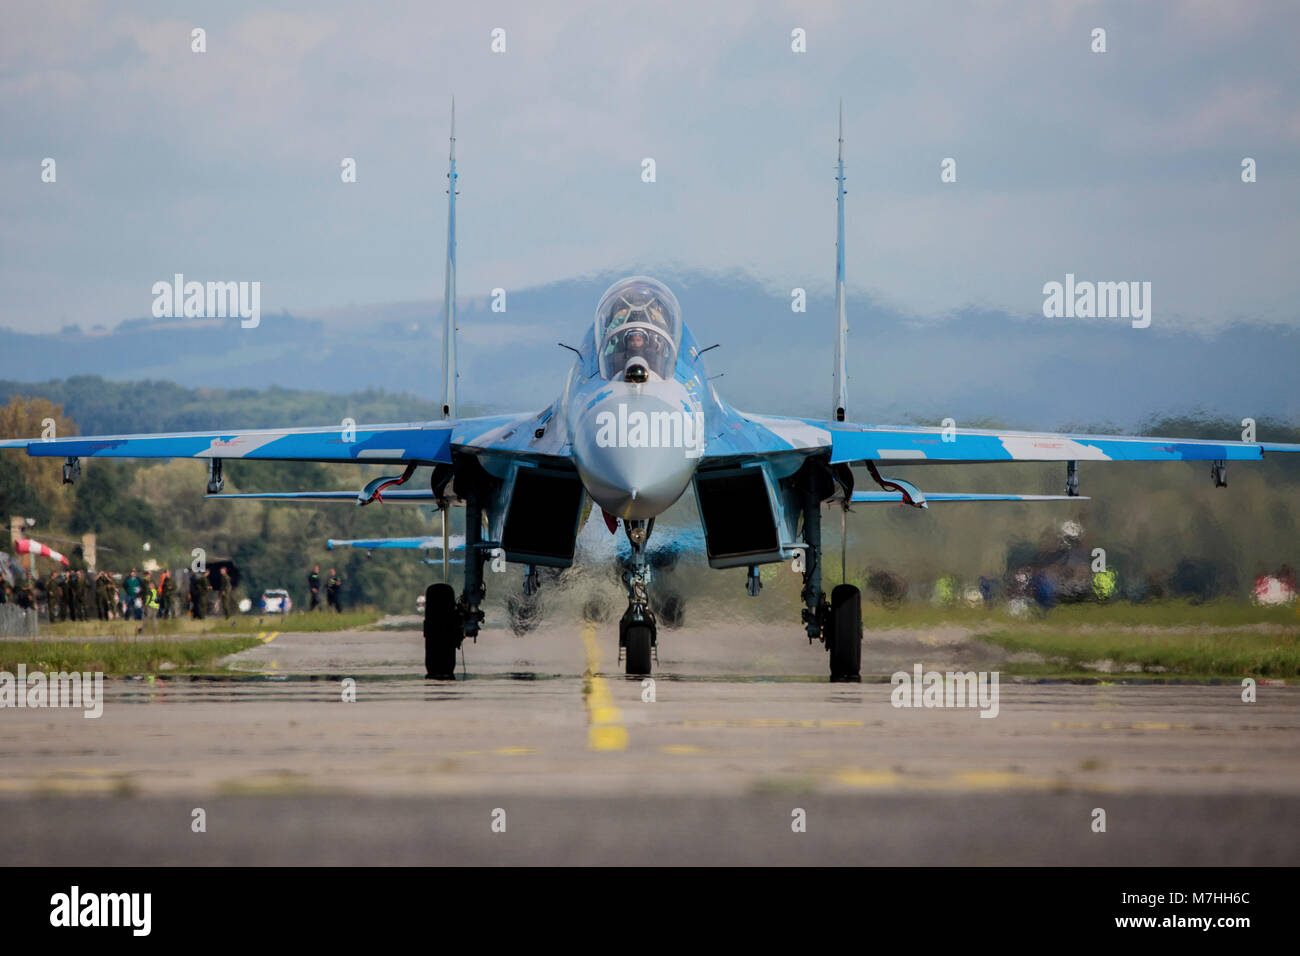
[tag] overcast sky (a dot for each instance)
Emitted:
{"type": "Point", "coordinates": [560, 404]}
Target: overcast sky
{"type": "Point", "coordinates": [226, 165]}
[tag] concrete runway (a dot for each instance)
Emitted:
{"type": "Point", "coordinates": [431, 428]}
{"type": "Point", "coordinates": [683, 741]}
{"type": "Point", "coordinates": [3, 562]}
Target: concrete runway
{"type": "Point", "coordinates": [743, 731]}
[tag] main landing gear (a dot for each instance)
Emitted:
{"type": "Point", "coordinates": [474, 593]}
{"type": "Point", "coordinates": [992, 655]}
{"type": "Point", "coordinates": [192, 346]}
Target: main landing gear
{"type": "Point", "coordinates": [638, 630]}
{"type": "Point", "coordinates": [448, 621]}
{"type": "Point", "coordinates": [837, 623]}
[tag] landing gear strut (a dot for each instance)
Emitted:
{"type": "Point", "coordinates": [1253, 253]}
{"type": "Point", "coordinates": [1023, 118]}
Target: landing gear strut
{"type": "Point", "coordinates": [638, 636]}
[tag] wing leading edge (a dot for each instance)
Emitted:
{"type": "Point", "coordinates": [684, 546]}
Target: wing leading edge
{"type": "Point", "coordinates": [896, 497]}
{"type": "Point", "coordinates": [757, 435]}
{"type": "Point", "coordinates": [425, 543]}
{"type": "Point", "coordinates": [424, 443]}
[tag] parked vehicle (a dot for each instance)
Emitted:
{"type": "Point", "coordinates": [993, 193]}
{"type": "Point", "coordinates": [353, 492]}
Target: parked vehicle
{"type": "Point", "coordinates": [275, 601]}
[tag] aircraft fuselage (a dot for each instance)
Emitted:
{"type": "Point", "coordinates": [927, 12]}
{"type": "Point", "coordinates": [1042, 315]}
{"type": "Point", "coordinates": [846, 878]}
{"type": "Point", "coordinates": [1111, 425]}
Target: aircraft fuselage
{"type": "Point", "coordinates": [636, 443]}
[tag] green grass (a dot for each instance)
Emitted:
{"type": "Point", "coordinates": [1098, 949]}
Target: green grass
{"type": "Point", "coordinates": [1113, 614]}
{"type": "Point", "coordinates": [240, 624]}
{"type": "Point", "coordinates": [1185, 652]}
{"type": "Point", "coordinates": [197, 655]}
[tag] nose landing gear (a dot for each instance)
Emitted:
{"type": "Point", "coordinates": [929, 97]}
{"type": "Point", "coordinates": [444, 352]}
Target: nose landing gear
{"type": "Point", "coordinates": [638, 631]}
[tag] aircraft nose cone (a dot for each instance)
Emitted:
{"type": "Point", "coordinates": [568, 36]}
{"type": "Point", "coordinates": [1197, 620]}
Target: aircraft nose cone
{"type": "Point", "coordinates": [637, 448]}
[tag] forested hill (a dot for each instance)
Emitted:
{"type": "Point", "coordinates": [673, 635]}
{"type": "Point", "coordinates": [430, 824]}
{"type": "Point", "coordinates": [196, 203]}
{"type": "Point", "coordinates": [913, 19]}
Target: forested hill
{"type": "Point", "coordinates": [102, 407]}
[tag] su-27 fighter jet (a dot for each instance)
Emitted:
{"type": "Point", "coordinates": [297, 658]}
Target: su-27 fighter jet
{"type": "Point", "coordinates": [636, 424]}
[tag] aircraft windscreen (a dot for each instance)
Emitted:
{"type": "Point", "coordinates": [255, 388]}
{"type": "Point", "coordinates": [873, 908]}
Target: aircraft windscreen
{"type": "Point", "coordinates": [638, 326]}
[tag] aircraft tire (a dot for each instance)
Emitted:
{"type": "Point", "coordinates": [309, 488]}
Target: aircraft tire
{"type": "Point", "coordinates": [442, 632]}
{"type": "Point", "coordinates": [844, 633]}
{"type": "Point", "coordinates": [638, 637]}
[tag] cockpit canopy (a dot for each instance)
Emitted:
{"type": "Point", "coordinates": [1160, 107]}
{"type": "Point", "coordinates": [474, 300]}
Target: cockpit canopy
{"type": "Point", "coordinates": [639, 329]}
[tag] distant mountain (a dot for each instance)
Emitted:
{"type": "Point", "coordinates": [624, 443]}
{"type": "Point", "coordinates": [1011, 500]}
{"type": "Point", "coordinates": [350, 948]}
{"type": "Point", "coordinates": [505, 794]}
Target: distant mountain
{"type": "Point", "coordinates": [971, 366]}
{"type": "Point", "coordinates": [101, 407]}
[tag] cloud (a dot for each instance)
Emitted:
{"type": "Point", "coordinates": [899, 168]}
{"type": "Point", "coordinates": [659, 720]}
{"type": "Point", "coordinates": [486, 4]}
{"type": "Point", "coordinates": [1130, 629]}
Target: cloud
{"type": "Point", "coordinates": [228, 162]}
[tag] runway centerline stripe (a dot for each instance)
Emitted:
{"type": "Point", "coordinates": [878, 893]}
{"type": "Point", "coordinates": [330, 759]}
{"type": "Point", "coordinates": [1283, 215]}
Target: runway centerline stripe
{"type": "Point", "coordinates": [605, 730]}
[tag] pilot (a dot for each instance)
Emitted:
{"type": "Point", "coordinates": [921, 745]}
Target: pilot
{"type": "Point", "coordinates": [634, 343]}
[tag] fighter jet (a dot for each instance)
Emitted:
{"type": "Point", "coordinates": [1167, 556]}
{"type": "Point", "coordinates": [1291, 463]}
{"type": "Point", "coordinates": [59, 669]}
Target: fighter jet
{"type": "Point", "coordinates": [423, 544]}
{"type": "Point", "coordinates": [637, 423]}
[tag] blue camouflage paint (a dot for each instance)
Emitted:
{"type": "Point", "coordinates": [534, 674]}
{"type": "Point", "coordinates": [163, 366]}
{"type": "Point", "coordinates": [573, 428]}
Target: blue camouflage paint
{"type": "Point", "coordinates": [894, 497]}
{"type": "Point", "coordinates": [426, 543]}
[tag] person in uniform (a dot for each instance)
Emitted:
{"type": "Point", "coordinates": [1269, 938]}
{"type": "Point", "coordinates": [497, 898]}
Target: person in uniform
{"type": "Point", "coordinates": [167, 595]}
{"type": "Point", "coordinates": [87, 593]}
{"type": "Point", "coordinates": [71, 596]}
{"type": "Point", "coordinates": [103, 596]}
{"type": "Point", "coordinates": [206, 592]}
{"type": "Point", "coordinates": [205, 588]}
{"type": "Point", "coordinates": [313, 585]}
{"type": "Point", "coordinates": [227, 589]}
{"type": "Point", "coordinates": [332, 588]}
{"type": "Point", "coordinates": [54, 594]}
{"type": "Point", "coordinates": [114, 596]}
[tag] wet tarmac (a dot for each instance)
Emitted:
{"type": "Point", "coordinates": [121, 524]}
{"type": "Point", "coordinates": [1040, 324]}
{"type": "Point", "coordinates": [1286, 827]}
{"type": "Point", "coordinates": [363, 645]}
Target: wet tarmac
{"type": "Point", "coordinates": [331, 747]}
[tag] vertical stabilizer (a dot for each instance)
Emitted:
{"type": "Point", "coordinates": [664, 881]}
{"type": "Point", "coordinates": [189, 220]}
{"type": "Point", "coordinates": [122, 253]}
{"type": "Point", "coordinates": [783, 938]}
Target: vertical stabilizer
{"type": "Point", "coordinates": [839, 402]}
{"type": "Point", "coordinates": [450, 374]}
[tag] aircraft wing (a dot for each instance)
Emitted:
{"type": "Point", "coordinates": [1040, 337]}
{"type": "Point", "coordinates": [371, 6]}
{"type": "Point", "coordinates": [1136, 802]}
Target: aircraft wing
{"type": "Point", "coordinates": [745, 436]}
{"type": "Point", "coordinates": [896, 497]}
{"type": "Point", "coordinates": [352, 496]}
{"type": "Point", "coordinates": [425, 543]}
{"type": "Point", "coordinates": [424, 443]}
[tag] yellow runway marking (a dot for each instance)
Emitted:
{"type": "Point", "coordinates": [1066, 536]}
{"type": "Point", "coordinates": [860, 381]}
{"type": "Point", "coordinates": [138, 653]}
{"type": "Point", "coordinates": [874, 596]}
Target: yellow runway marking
{"type": "Point", "coordinates": [1111, 725]}
{"type": "Point", "coordinates": [267, 640]}
{"type": "Point", "coordinates": [605, 730]}
{"type": "Point", "coordinates": [1001, 780]}
{"type": "Point", "coordinates": [960, 781]}
{"type": "Point", "coordinates": [871, 779]}
{"type": "Point", "coordinates": [770, 722]}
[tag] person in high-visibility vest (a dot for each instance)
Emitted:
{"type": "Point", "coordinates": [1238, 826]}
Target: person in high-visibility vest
{"type": "Point", "coordinates": [1104, 584]}
{"type": "Point", "coordinates": [149, 597]}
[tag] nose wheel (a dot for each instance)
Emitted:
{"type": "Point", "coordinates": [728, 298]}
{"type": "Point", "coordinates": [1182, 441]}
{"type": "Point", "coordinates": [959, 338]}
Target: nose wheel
{"type": "Point", "coordinates": [638, 643]}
